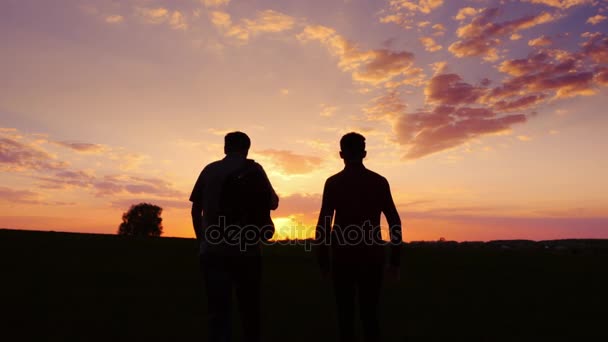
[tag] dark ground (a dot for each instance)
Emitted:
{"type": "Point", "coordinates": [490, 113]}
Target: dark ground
{"type": "Point", "coordinates": [82, 287]}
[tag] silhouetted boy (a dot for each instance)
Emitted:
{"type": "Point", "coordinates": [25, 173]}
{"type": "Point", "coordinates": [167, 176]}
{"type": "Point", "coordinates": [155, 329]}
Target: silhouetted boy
{"type": "Point", "coordinates": [235, 198]}
{"type": "Point", "coordinates": [357, 197]}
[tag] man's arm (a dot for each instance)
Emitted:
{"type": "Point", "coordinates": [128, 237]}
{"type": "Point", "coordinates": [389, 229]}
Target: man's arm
{"type": "Point", "coordinates": [394, 226]}
{"type": "Point", "coordinates": [197, 219]}
{"type": "Point", "coordinates": [196, 197]}
{"type": "Point", "coordinates": [274, 199]}
{"type": "Point", "coordinates": [323, 230]}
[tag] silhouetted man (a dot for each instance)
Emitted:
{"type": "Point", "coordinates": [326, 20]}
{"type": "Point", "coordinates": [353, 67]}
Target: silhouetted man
{"type": "Point", "coordinates": [235, 198]}
{"type": "Point", "coordinates": [357, 197]}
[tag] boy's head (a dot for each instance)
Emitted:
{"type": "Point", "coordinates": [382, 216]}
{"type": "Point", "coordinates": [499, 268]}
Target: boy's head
{"type": "Point", "coordinates": [236, 143]}
{"type": "Point", "coordinates": [352, 147]}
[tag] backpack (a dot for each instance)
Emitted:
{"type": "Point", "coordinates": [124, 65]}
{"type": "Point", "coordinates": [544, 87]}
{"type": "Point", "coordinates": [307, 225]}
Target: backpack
{"type": "Point", "coordinates": [245, 199]}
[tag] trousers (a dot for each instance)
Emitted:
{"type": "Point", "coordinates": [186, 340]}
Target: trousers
{"type": "Point", "coordinates": [222, 275]}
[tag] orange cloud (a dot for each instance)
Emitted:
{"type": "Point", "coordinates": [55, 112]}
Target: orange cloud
{"type": "Point", "coordinates": [540, 41]}
{"type": "Point", "coordinates": [423, 6]}
{"type": "Point", "coordinates": [449, 89]}
{"type": "Point", "coordinates": [466, 12]}
{"type": "Point", "coordinates": [114, 19]}
{"type": "Point", "coordinates": [267, 21]}
{"type": "Point", "coordinates": [595, 47]}
{"type": "Point", "coordinates": [19, 196]}
{"type": "Point", "coordinates": [17, 156]}
{"type": "Point", "coordinates": [482, 36]}
{"type": "Point", "coordinates": [560, 73]}
{"type": "Point", "coordinates": [562, 4]}
{"type": "Point", "coordinates": [159, 15]}
{"type": "Point", "coordinates": [385, 107]}
{"type": "Point", "coordinates": [292, 163]}
{"type": "Point", "coordinates": [430, 44]}
{"type": "Point", "coordinates": [425, 133]}
{"type": "Point", "coordinates": [215, 3]}
{"type": "Point", "coordinates": [380, 66]}
{"type": "Point", "coordinates": [596, 19]}
{"type": "Point", "coordinates": [83, 147]}
{"type": "Point", "coordinates": [304, 205]}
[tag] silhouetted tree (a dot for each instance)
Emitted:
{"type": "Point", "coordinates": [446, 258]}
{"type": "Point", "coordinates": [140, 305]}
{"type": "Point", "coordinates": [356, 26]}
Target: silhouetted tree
{"type": "Point", "coordinates": [142, 220]}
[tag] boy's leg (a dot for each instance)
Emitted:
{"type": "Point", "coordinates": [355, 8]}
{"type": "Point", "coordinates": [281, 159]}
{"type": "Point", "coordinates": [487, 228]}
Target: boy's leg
{"type": "Point", "coordinates": [218, 284]}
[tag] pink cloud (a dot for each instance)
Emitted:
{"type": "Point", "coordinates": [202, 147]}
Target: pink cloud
{"type": "Point", "coordinates": [82, 147]}
{"type": "Point", "coordinates": [17, 156]}
{"type": "Point", "coordinates": [292, 163]}
{"type": "Point", "coordinates": [305, 205]}
{"type": "Point", "coordinates": [482, 36]}
{"type": "Point", "coordinates": [449, 89]}
{"type": "Point", "coordinates": [19, 196]}
{"type": "Point", "coordinates": [429, 132]}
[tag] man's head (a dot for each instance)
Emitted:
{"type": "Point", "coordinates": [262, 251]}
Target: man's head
{"type": "Point", "coordinates": [236, 143]}
{"type": "Point", "coordinates": [352, 147]}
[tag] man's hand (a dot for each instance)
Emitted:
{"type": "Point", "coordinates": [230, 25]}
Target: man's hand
{"type": "Point", "coordinates": [393, 273]}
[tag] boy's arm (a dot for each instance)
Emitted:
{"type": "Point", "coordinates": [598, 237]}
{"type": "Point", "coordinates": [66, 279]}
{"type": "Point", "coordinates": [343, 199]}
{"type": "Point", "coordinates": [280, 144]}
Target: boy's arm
{"type": "Point", "coordinates": [274, 199]}
{"type": "Point", "coordinates": [197, 219]}
{"type": "Point", "coordinates": [323, 230]}
{"type": "Point", "coordinates": [196, 197]}
{"type": "Point", "coordinates": [394, 226]}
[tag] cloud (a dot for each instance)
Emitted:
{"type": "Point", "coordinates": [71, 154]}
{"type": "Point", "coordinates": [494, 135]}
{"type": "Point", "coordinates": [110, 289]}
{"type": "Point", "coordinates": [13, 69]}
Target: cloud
{"type": "Point", "coordinates": [387, 106]}
{"type": "Point", "coordinates": [561, 4]}
{"type": "Point", "coordinates": [549, 72]}
{"type": "Point", "coordinates": [401, 12]}
{"type": "Point", "coordinates": [306, 205]}
{"type": "Point", "coordinates": [135, 185]}
{"type": "Point", "coordinates": [292, 163]}
{"type": "Point", "coordinates": [596, 19]}
{"type": "Point", "coordinates": [19, 196]}
{"type": "Point", "coordinates": [540, 41]}
{"type": "Point", "coordinates": [83, 147]}
{"type": "Point", "coordinates": [375, 67]}
{"type": "Point", "coordinates": [215, 3]}
{"type": "Point", "coordinates": [126, 203]}
{"type": "Point", "coordinates": [466, 12]}
{"type": "Point", "coordinates": [423, 6]}
{"type": "Point", "coordinates": [439, 29]}
{"type": "Point", "coordinates": [482, 36]}
{"type": "Point", "coordinates": [153, 15]}
{"type": "Point", "coordinates": [17, 156]}
{"type": "Point", "coordinates": [449, 89]}
{"type": "Point", "coordinates": [177, 21]}
{"type": "Point", "coordinates": [221, 19]}
{"type": "Point", "coordinates": [519, 103]}
{"type": "Point", "coordinates": [425, 133]}
{"type": "Point", "coordinates": [114, 19]}
{"type": "Point", "coordinates": [595, 47]}
{"type": "Point", "coordinates": [67, 179]}
{"type": "Point", "coordinates": [327, 110]}
{"type": "Point", "coordinates": [523, 138]}
{"type": "Point", "coordinates": [160, 15]}
{"type": "Point", "coordinates": [267, 21]}
{"type": "Point", "coordinates": [430, 44]}
{"type": "Point", "coordinates": [397, 18]}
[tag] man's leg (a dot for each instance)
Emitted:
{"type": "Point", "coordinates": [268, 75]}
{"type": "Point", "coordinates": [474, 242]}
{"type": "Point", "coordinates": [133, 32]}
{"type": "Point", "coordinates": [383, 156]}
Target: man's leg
{"type": "Point", "coordinates": [370, 287]}
{"type": "Point", "coordinates": [344, 291]}
{"type": "Point", "coordinates": [248, 279]}
{"type": "Point", "coordinates": [218, 283]}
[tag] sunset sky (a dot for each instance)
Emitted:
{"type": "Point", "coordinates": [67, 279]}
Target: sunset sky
{"type": "Point", "coordinates": [488, 118]}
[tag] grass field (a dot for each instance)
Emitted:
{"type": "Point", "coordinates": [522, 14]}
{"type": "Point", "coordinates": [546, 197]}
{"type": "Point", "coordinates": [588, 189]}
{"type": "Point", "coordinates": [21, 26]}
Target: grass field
{"type": "Point", "coordinates": [82, 287]}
